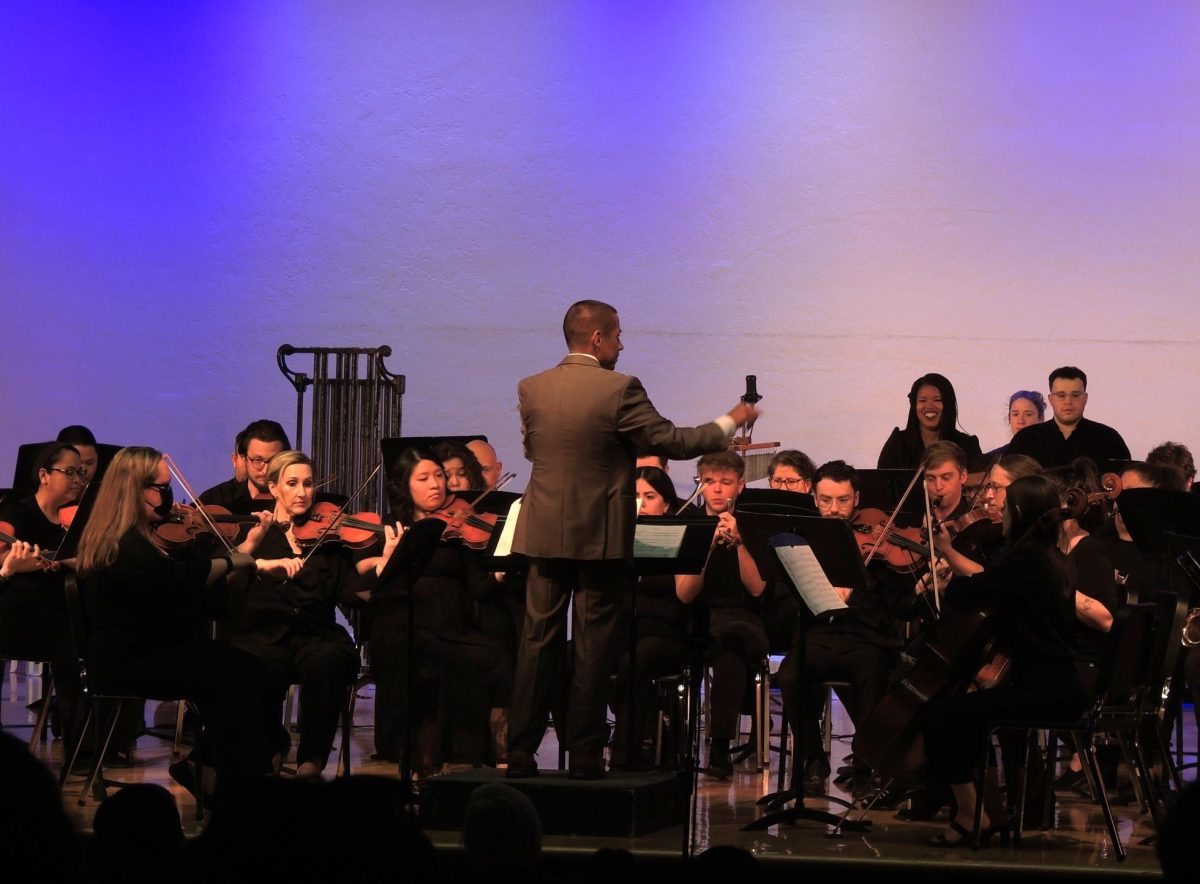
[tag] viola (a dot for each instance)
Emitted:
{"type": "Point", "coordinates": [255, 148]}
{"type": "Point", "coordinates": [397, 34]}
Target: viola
{"type": "Point", "coordinates": [979, 525]}
{"type": "Point", "coordinates": [475, 529]}
{"type": "Point", "coordinates": [326, 522]}
{"type": "Point", "coordinates": [902, 548]}
{"type": "Point", "coordinates": [186, 523]}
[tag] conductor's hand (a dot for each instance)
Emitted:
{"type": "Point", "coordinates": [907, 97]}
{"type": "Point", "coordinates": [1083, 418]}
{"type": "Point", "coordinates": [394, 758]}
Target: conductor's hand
{"type": "Point", "coordinates": [744, 414]}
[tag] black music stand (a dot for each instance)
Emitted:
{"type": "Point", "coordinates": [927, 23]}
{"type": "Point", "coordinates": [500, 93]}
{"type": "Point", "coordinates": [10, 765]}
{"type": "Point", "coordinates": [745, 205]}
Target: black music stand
{"type": "Point", "coordinates": [1149, 513]}
{"type": "Point", "coordinates": [408, 562]}
{"type": "Point", "coordinates": [835, 549]}
{"type": "Point", "coordinates": [881, 489]}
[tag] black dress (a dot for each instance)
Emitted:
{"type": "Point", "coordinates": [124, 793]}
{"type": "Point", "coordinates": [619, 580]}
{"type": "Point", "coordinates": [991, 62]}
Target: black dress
{"type": "Point", "coordinates": [148, 614]}
{"type": "Point", "coordinates": [291, 626]}
{"type": "Point", "coordinates": [460, 671]}
{"type": "Point", "coordinates": [903, 449]}
{"type": "Point", "coordinates": [1033, 604]}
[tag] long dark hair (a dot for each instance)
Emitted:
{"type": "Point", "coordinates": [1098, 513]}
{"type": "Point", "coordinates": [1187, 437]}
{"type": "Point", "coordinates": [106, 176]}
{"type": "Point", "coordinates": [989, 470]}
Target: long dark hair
{"type": "Point", "coordinates": [660, 482]}
{"type": "Point", "coordinates": [399, 474]}
{"type": "Point", "coordinates": [1033, 507]}
{"type": "Point", "coordinates": [447, 451]}
{"type": "Point", "coordinates": [913, 445]}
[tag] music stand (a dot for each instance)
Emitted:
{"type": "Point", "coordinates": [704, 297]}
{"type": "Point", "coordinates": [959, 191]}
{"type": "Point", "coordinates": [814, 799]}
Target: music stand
{"type": "Point", "coordinates": [24, 482]}
{"type": "Point", "coordinates": [832, 544]}
{"type": "Point", "coordinates": [881, 489]}
{"type": "Point", "coordinates": [1149, 513]}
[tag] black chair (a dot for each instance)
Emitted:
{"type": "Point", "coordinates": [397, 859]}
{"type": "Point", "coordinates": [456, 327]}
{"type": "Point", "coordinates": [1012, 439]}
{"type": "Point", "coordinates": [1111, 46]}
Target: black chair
{"type": "Point", "coordinates": [102, 731]}
{"type": "Point", "coordinates": [1120, 686]}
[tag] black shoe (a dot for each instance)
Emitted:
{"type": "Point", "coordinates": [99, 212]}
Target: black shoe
{"type": "Point", "coordinates": [587, 769]}
{"type": "Point", "coordinates": [1072, 780]}
{"type": "Point", "coordinates": [927, 803]}
{"type": "Point", "coordinates": [816, 771]}
{"type": "Point", "coordinates": [521, 765]}
{"type": "Point", "coordinates": [720, 765]}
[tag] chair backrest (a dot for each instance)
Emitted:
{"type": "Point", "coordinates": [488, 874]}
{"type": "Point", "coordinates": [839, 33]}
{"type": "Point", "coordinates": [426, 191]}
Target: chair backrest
{"type": "Point", "coordinates": [1123, 668]}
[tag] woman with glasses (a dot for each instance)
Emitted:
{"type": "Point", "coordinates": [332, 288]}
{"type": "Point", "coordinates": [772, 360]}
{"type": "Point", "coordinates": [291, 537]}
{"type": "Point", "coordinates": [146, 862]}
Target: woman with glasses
{"type": "Point", "coordinates": [33, 610]}
{"type": "Point", "coordinates": [932, 417]}
{"type": "Point", "coordinates": [148, 610]}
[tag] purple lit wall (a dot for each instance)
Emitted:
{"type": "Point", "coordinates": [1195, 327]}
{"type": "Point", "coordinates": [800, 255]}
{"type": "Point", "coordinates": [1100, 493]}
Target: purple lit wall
{"type": "Point", "coordinates": [834, 196]}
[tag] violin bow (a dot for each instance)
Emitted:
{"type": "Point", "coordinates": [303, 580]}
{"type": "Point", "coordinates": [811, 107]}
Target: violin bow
{"type": "Point", "coordinates": [174, 470]}
{"type": "Point", "coordinates": [895, 512]}
{"type": "Point", "coordinates": [691, 499]}
{"type": "Point", "coordinates": [500, 483]}
{"type": "Point", "coordinates": [341, 511]}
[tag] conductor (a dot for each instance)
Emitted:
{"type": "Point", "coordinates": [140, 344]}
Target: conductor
{"type": "Point", "coordinates": [584, 425]}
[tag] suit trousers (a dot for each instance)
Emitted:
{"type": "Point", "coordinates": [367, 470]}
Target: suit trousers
{"type": "Point", "coordinates": [599, 588]}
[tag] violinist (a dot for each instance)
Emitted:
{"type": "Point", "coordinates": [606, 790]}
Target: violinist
{"type": "Point", "coordinates": [84, 441]}
{"type": "Point", "coordinates": [33, 610]}
{"type": "Point", "coordinates": [149, 613]}
{"type": "Point", "coordinates": [932, 417]}
{"type": "Point", "coordinates": [286, 613]}
{"type": "Point", "coordinates": [661, 623]}
{"type": "Point", "coordinates": [857, 646]}
{"type": "Point", "coordinates": [463, 471]}
{"type": "Point", "coordinates": [730, 592]}
{"type": "Point", "coordinates": [1030, 593]}
{"type": "Point", "coordinates": [461, 674]}
{"type": "Point", "coordinates": [489, 461]}
{"type": "Point", "coordinates": [260, 441]}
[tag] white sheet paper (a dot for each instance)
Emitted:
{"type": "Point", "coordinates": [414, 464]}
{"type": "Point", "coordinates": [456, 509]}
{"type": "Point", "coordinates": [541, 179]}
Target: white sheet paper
{"type": "Point", "coordinates": [657, 541]}
{"type": "Point", "coordinates": [806, 574]}
{"type": "Point", "coordinates": [504, 544]}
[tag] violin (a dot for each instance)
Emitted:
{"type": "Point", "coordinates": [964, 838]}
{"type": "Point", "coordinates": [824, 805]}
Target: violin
{"type": "Point", "coordinates": [902, 548]}
{"type": "Point", "coordinates": [7, 539]}
{"type": "Point", "coordinates": [326, 522]}
{"type": "Point", "coordinates": [979, 525]}
{"type": "Point", "coordinates": [186, 523]}
{"type": "Point", "coordinates": [474, 529]}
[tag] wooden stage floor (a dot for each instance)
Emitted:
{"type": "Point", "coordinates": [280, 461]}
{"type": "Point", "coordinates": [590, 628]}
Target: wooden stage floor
{"type": "Point", "coordinates": [1078, 849]}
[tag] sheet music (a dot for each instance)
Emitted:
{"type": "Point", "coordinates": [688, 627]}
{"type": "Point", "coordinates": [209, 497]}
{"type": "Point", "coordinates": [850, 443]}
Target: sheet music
{"type": "Point", "coordinates": [504, 544]}
{"type": "Point", "coordinates": [657, 541]}
{"type": "Point", "coordinates": [806, 574]}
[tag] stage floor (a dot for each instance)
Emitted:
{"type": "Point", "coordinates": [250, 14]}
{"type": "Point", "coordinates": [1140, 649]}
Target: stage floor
{"type": "Point", "coordinates": [1078, 848]}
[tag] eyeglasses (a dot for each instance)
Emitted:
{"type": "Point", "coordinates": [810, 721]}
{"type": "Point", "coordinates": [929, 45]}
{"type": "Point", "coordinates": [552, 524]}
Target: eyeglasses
{"type": "Point", "coordinates": [259, 462]}
{"type": "Point", "coordinates": [786, 483]}
{"type": "Point", "coordinates": [69, 472]}
{"type": "Point", "coordinates": [993, 487]}
{"type": "Point", "coordinates": [161, 488]}
{"type": "Point", "coordinates": [1063, 395]}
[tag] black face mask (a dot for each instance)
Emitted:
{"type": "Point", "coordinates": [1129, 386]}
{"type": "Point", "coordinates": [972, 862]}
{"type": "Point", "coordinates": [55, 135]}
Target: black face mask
{"type": "Point", "coordinates": [167, 496]}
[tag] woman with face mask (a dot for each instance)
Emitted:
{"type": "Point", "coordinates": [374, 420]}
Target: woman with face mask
{"type": "Point", "coordinates": [148, 612]}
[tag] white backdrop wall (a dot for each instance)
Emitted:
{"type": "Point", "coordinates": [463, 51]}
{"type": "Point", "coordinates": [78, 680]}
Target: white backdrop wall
{"type": "Point", "coordinates": [835, 196]}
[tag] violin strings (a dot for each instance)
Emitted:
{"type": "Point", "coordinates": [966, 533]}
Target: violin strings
{"type": "Point", "coordinates": [174, 470]}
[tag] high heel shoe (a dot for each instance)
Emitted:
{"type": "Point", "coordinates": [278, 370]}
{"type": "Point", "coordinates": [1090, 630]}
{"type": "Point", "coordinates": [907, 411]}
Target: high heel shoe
{"type": "Point", "coordinates": [963, 839]}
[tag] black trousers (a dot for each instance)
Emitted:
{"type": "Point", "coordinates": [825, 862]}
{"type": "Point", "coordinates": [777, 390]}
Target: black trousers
{"type": "Point", "coordinates": [656, 656]}
{"type": "Point", "coordinates": [325, 668]}
{"type": "Point", "coordinates": [234, 690]}
{"type": "Point", "coordinates": [831, 656]}
{"type": "Point", "coordinates": [739, 642]}
{"type": "Point", "coordinates": [598, 589]}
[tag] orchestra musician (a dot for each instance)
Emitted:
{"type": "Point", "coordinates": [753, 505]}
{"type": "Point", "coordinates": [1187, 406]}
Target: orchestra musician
{"type": "Point", "coordinates": [489, 462]}
{"type": "Point", "coordinates": [582, 423]}
{"type": "Point", "coordinates": [33, 609]}
{"type": "Point", "coordinates": [945, 465]}
{"type": "Point", "coordinates": [287, 612]}
{"type": "Point", "coordinates": [789, 470]}
{"type": "Point", "coordinates": [260, 441]}
{"type": "Point", "coordinates": [1025, 408]}
{"type": "Point", "coordinates": [661, 622]}
{"type": "Point", "coordinates": [932, 417]}
{"type": "Point", "coordinates": [463, 471]}
{"type": "Point", "coordinates": [1177, 457]}
{"type": "Point", "coordinates": [461, 673]}
{"type": "Point", "coordinates": [1030, 592]}
{"type": "Point", "coordinates": [857, 646]}
{"type": "Point", "coordinates": [729, 591]}
{"type": "Point", "coordinates": [84, 441]}
{"type": "Point", "coordinates": [148, 612]}
{"type": "Point", "coordinates": [1070, 435]}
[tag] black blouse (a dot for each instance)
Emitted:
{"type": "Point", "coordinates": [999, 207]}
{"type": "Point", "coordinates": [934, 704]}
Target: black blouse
{"type": "Point", "coordinates": [33, 590]}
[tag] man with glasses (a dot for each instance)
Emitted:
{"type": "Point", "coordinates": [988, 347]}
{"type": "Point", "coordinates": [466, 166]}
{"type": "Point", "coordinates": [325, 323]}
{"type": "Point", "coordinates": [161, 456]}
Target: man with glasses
{"type": "Point", "coordinates": [256, 445]}
{"type": "Point", "coordinates": [1070, 435]}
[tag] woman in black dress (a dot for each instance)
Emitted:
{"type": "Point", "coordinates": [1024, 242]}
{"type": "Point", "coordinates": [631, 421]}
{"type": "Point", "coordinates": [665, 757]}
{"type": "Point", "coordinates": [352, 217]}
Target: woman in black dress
{"type": "Point", "coordinates": [1029, 593]}
{"type": "Point", "coordinates": [932, 417]}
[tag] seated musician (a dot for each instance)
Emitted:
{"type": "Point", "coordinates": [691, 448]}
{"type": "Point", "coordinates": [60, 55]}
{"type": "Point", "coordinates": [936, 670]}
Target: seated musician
{"type": "Point", "coordinates": [287, 612]}
{"type": "Point", "coordinates": [148, 609]}
{"type": "Point", "coordinates": [84, 441]}
{"type": "Point", "coordinates": [256, 445]}
{"type": "Point", "coordinates": [857, 646]}
{"type": "Point", "coordinates": [1138, 577]}
{"type": "Point", "coordinates": [932, 417]}
{"type": "Point", "coordinates": [463, 471]}
{"type": "Point", "coordinates": [1025, 407]}
{"type": "Point", "coordinates": [661, 623]}
{"type": "Point", "coordinates": [653, 460]}
{"type": "Point", "coordinates": [1177, 457]}
{"type": "Point", "coordinates": [33, 609]}
{"type": "Point", "coordinates": [1070, 435]}
{"type": "Point", "coordinates": [1030, 592]}
{"type": "Point", "coordinates": [730, 593]}
{"type": "Point", "coordinates": [789, 470]}
{"type": "Point", "coordinates": [945, 466]}
{"type": "Point", "coordinates": [489, 461]}
{"type": "Point", "coordinates": [461, 675]}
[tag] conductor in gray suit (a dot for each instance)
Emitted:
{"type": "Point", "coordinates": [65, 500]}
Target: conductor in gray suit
{"type": "Point", "coordinates": [584, 425]}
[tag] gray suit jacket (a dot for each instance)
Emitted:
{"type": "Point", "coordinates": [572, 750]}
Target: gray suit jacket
{"type": "Point", "coordinates": [584, 427]}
